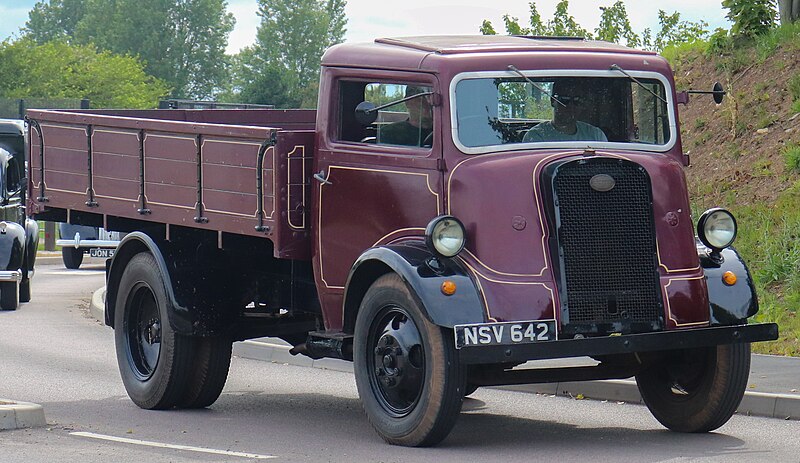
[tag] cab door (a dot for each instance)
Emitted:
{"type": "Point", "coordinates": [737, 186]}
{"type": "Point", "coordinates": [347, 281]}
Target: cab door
{"type": "Point", "coordinates": [372, 187]}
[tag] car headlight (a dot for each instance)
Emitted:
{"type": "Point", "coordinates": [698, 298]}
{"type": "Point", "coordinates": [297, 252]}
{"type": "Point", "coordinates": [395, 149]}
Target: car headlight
{"type": "Point", "coordinates": [445, 235]}
{"type": "Point", "coordinates": [716, 228]}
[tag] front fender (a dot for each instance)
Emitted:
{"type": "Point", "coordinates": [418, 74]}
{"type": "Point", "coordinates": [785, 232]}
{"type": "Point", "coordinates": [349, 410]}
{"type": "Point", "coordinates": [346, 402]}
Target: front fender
{"type": "Point", "coordinates": [12, 245]}
{"type": "Point", "coordinates": [729, 305]}
{"type": "Point", "coordinates": [31, 245]}
{"type": "Point", "coordinates": [424, 275]}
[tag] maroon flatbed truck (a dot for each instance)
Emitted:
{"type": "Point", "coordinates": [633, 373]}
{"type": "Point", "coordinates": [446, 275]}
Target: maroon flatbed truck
{"type": "Point", "coordinates": [455, 209]}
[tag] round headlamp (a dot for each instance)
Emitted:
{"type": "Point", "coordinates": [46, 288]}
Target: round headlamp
{"type": "Point", "coordinates": [445, 235]}
{"type": "Point", "coordinates": [716, 228]}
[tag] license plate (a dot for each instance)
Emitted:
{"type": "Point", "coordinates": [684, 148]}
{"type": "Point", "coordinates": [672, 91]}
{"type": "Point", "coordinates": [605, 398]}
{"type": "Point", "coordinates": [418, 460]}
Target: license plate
{"type": "Point", "coordinates": [508, 333]}
{"type": "Point", "coordinates": [101, 252]}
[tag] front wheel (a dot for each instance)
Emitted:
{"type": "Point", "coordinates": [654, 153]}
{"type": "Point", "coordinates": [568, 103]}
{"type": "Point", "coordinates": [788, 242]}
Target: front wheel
{"type": "Point", "coordinates": [408, 376]}
{"type": "Point", "coordinates": [72, 257]}
{"type": "Point", "coordinates": [9, 295]}
{"type": "Point", "coordinates": [696, 390]}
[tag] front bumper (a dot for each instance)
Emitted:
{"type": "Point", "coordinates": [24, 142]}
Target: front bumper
{"type": "Point", "coordinates": [87, 244]}
{"type": "Point", "coordinates": [10, 275]}
{"type": "Point", "coordinates": [609, 345]}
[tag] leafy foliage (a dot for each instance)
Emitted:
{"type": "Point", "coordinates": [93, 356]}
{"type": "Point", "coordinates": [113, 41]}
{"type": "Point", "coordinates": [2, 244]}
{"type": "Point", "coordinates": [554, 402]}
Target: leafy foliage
{"type": "Point", "coordinates": [290, 42]}
{"type": "Point", "coordinates": [59, 70]}
{"type": "Point", "coordinates": [750, 17]}
{"type": "Point", "coordinates": [615, 25]}
{"type": "Point", "coordinates": [180, 41]}
{"type": "Point", "coordinates": [674, 31]}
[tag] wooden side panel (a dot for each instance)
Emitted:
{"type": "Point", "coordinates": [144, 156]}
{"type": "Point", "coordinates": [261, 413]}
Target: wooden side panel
{"type": "Point", "coordinates": [195, 175]}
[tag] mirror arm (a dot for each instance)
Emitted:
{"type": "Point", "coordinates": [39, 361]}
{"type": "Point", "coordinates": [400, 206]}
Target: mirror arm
{"type": "Point", "coordinates": [402, 100]}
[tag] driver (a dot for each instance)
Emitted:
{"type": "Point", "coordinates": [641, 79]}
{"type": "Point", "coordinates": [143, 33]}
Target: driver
{"type": "Point", "coordinates": [571, 96]}
{"type": "Point", "coordinates": [415, 130]}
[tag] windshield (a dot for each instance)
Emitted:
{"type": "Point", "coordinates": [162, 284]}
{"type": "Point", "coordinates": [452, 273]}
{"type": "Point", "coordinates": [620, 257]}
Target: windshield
{"type": "Point", "coordinates": [581, 111]}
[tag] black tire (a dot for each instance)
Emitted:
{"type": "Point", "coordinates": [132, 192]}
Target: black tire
{"type": "Point", "coordinates": [208, 372]}
{"type": "Point", "coordinates": [9, 295]}
{"type": "Point", "coordinates": [696, 390]}
{"type": "Point", "coordinates": [72, 257]}
{"type": "Point", "coordinates": [25, 289]}
{"type": "Point", "coordinates": [153, 360]}
{"type": "Point", "coordinates": [407, 372]}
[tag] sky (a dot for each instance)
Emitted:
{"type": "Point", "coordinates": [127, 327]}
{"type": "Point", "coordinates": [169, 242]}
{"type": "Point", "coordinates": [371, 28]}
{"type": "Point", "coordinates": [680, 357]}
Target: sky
{"type": "Point", "coordinates": [368, 19]}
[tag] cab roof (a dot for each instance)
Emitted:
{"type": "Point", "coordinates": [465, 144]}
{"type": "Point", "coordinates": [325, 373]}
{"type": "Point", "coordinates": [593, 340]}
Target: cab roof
{"type": "Point", "coordinates": [451, 44]}
{"type": "Point", "coordinates": [431, 52]}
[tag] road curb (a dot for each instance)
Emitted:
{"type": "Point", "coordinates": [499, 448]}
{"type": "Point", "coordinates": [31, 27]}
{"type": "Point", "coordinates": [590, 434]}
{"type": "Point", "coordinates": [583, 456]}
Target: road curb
{"type": "Point", "coordinates": [16, 415]}
{"type": "Point", "coordinates": [771, 405]}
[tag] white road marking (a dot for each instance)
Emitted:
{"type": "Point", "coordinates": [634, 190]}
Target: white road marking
{"type": "Point", "coordinates": [72, 272]}
{"type": "Point", "coordinates": [124, 440]}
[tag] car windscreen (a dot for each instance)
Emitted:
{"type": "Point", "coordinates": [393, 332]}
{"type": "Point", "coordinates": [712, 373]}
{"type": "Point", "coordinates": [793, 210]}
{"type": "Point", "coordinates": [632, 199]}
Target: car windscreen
{"type": "Point", "coordinates": [512, 110]}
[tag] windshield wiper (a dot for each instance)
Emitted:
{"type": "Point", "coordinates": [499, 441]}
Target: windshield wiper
{"type": "Point", "coordinates": [514, 69]}
{"type": "Point", "coordinates": [615, 67]}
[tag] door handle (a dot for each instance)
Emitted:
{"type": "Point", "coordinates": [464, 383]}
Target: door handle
{"type": "Point", "coordinates": [322, 178]}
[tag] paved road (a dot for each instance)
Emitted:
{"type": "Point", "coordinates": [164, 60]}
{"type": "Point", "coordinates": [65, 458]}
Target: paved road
{"type": "Point", "coordinates": [53, 353]}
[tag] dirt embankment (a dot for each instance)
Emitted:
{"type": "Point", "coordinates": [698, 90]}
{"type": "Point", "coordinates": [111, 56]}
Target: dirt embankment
{"type": "Point", "coordinates": [736, 147]}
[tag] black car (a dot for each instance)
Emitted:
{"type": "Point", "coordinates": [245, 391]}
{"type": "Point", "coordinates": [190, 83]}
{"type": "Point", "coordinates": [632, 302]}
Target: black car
{"type": "Point", "coordinates": [19, 235]}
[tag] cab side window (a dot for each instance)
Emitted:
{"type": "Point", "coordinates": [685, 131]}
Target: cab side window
{"type": "Point", "coordinates": [405, 117]}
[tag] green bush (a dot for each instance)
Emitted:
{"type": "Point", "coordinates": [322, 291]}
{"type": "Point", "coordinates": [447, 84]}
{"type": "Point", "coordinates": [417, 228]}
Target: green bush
{"type": "Point", "coordinates": [794, 87]}
{"type": "Point", "coordinates": [791, 154]}
{"type": "Point", "coordinates": [750, 18]}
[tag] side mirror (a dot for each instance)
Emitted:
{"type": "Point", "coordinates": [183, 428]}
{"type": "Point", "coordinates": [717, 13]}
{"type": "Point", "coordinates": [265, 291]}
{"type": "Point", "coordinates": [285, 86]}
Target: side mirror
{"type": "Point", "coordinates": [366, 113]}
{"type": "Point", "coordinates": [717, 93]}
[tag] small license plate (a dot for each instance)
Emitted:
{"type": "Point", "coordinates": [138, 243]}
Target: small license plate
{"type": "Point", "coordinates": [101, 252]}
{"type": "Point", "coordinates": [508, 333]}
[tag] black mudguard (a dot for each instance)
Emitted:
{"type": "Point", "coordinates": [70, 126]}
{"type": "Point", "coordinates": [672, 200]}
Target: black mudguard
{"type": "Point", "coordinates": [180, 318]}
{"type": "Point", "coordinates": [31, 245]}
{"type": "Point", "coordinates": [424, 274]}
{"type": "Point", "coordinates": [729, 305]}
{"type": "Point", "coordinates": [12, 246]}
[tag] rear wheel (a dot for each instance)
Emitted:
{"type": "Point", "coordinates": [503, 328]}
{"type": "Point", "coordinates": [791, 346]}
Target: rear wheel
{"type": "Point", "coordinates": [153, 360]}
{"type": "Point", "coordinates": [696, 390]}
{"type": "Point", "coordinates": [9, 295]}
{"type": "Point", "coordinates": [72, 257]}
{"type": "Point", "coordinates": [409, 379]}
{"type": "Point", "coordinates": [208, 372]}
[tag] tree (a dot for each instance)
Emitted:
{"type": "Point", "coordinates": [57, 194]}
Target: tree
{"type": "Point", "coordinates": [59, 70]}
{"type": "Point", "coordinates": [291, 39]}
{"type": "Point", "coordinates": [54, 20]}
{"type": "Point", "coordinates": [180, 41]}
{"type": "Point", "coordinates": [674, 31]}
{"type": "Point", "coordinates": [790, 11]}
{"type": "Point", "coordinates": [750, 17]}
{"type": "Point", "coordinates": [562, 24]}
{"type": "Point", "coordinates": [615, 25]}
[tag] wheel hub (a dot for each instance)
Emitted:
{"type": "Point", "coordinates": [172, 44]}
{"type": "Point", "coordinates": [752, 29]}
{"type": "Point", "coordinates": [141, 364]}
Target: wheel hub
{"type": "Point", "coordinates": [398, 362]}
{"type": "Point", "coordinates": [153, 332]}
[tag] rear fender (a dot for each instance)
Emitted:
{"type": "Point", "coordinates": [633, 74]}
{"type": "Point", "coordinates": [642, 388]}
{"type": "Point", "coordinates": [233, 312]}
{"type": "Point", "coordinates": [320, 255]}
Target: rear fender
{"type": "Point", "coordinates": [424, 274]}
{"type": "Point", "coordinates": [729, 305]}
{"type": "Point", "coordinates": [180, 318]}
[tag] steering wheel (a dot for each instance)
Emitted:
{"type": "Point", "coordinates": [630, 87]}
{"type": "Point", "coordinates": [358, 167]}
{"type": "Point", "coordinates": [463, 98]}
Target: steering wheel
{"type": "Point", "coordinates": [428, 142]}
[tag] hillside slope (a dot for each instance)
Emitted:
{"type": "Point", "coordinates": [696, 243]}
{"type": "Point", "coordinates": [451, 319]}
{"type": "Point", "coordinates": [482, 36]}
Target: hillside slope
{"type": "Point", "coordinates": [745, 156]}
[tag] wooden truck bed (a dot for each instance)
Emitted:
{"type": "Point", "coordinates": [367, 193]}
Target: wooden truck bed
{"type": "Point", "coordinates": [229, 171]}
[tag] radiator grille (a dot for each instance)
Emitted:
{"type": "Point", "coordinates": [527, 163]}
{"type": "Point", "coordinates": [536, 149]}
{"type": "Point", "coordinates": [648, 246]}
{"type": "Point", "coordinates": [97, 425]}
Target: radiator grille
{"type": "Point", "coordinates": [606, 241]}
